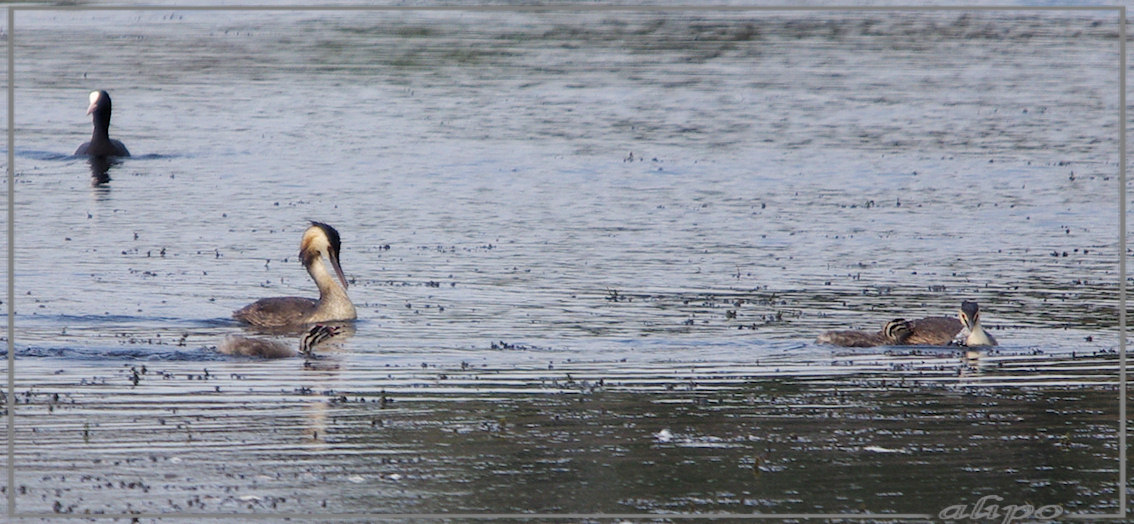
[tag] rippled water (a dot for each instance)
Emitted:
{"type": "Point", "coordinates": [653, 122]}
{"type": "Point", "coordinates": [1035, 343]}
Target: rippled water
{"type": "Point", "coordinates": [591, 253]}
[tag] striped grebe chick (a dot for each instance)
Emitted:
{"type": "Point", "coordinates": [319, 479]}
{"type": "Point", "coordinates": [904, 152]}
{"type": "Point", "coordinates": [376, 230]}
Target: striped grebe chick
{"type": "Point", "coordinates": [268, 348]}
{"type": "Point", "coordinates": [893, 332]}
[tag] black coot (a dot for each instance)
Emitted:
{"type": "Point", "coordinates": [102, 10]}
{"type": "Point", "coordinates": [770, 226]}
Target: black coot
{"type": "Point", "coordinates": [101, 144]}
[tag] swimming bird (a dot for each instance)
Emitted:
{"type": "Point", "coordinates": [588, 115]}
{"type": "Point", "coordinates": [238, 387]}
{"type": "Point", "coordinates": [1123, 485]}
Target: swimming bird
{"type": "Point", "coordinates": [893, 332]}
{"type": "Point", "coordinates": [932, 331]}
{"type": "Point", "coordinates": [970, 316]}
{"type": "Point", "coordinates": [319, 240]}
{"type": "Point", "coordinates": [267, 348]}
{"type": "Point", "coordinates": [941, 331]}
{"type": "Point", "coordinates": [101, 144]}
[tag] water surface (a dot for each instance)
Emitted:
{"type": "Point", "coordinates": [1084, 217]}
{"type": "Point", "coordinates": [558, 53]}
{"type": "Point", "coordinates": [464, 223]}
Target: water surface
{"type": "Point", "coordinates": [590, 252]}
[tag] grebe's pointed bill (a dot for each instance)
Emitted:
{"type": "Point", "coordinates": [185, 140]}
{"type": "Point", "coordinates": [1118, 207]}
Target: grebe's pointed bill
{"type": "Point", "coordinates": [338, 270]}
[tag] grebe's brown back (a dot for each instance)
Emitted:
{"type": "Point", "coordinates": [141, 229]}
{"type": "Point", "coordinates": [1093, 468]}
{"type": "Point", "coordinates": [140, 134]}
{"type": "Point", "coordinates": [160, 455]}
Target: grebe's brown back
{"type": "Point", "coordinates": [932, 331]}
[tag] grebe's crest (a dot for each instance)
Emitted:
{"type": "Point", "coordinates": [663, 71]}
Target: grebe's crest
{"type": "Point", "coordinates": [319, 238]}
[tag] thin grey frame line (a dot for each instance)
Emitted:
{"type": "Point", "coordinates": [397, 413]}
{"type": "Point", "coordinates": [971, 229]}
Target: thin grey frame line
{"type": "Point", "coordinates": [1121, 512]}
{"type": "Point", "coordinates": [486, 516]}
{"type": "Point", "coordinates": [10, 401]}
{"type": "Point", "coordinates": [559, 7]}
{"type": "Point", "coordinates": [1122, 261]}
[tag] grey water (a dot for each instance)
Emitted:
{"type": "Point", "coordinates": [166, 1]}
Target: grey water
{"type": "Point", "coordinates": [590, 251]}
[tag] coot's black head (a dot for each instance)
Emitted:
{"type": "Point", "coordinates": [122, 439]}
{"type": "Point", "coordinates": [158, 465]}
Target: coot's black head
{"type": "Point", "coordinates": [100, 102]}
{"type": "Point", "coordinates": [100, 107]}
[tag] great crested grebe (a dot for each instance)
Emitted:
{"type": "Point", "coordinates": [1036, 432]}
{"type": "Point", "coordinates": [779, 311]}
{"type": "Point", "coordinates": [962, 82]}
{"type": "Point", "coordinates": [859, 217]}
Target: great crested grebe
{"type": "Point", "coordinates": [267, 348]}
{"type": "Point", "coordinates": [932, 331]}
{"type": "Point", "coordinates": [970, 316]}
{"type": "Point", "coordinates": [101, 144]}
{"type": "Point", "coordinates": [319, 240]}
{"type": "Point", "coordinates": [941, 331]}
{"type": "Point", "coordinates": [893, 332]}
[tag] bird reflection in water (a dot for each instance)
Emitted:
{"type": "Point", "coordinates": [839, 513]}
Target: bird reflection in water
{"type": "Point", "coordinates": [100, 168]}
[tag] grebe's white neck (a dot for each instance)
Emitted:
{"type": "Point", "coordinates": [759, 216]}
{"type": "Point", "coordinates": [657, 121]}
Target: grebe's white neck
{"type": "Point", "coordinates": [978, 337]}
{"type": "Point", "coordinates": [334, 304]}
